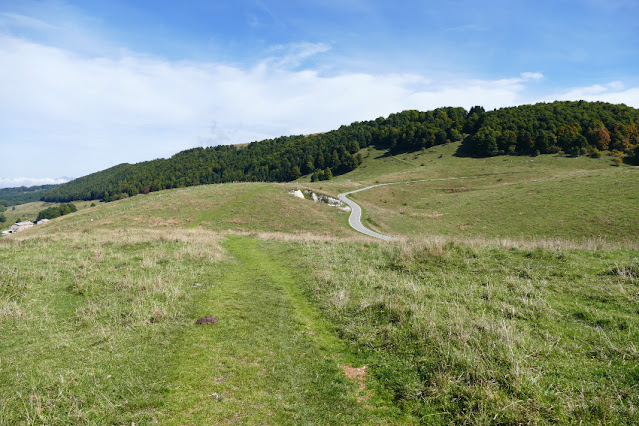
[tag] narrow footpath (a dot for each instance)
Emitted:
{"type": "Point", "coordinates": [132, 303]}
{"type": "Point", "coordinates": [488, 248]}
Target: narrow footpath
{"type": "Point", "coordinates": [271, 359]}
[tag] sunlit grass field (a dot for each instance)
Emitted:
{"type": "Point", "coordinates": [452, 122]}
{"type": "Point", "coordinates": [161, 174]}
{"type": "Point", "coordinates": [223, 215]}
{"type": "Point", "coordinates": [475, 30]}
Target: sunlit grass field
{"type": "Point", "coordinates": [488, 333]}
{"type": "Point", "coordinates": [510, 297]}
{"type": "Point", "coordinates": [99, 327]}
{"type": "Point", "coordinates": [598, 204]}
{"type": "Point", "coordinates": [29, 211]}
{"type": "Point", "coordinates": [234, 207]}
{"type": "Point", "coordinates": [545, 197]}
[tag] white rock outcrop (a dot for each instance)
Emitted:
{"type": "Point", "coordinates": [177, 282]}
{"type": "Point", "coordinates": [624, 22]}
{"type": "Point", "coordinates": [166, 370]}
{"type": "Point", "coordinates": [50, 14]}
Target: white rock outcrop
{"type": "Point", "coordinates": [319, 198]}
{"type": "Point", "coordinates": [296, 193]}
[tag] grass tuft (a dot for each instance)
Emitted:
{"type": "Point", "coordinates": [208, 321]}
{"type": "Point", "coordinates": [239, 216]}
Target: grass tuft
{"type": "Point", "coordinates": [13, 285]}
{"type": "Point", "coordinates": [630, 270]}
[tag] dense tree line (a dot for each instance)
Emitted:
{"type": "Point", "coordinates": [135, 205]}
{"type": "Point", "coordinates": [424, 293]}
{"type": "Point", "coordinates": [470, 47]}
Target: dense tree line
{"type": "Point", "coordinates": [22, 195]}
{"type": "Point", "coordinates": [570, 127]}
{"type": "Point", "coordinates": [574, 128]}
{"type": "Point", "coordinates": [274, 160]}
{"type": "Point", "coordinates": [57, 211]}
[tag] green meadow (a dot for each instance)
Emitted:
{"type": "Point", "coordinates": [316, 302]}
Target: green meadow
{"type": "Point", "coordinates": [509, 297]}
{"type": "Point", "coordinates": [29, 211]}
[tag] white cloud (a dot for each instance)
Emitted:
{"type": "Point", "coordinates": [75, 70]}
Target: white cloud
{"type": "Point", "coordinates": [21, 21]}
{"type": "Point", "coordinates": [74, 114]}
{"type": "Point", "coordinates": [78, 114]}
{"type": "Point", "coordinates": [532, 76]}
{"type": "Point", "coordinates": [26, 181]}
{"type": "Point", "coordinates": [614, 92]}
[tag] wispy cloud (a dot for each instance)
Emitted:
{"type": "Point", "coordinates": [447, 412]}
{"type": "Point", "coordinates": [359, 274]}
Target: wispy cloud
{"type": "Point", "coordinates": [88, 113]}
{"type": "Point", "coordinates": [614, 92]}
{"type": "Point", "coordinates": [267, 12]}
{"type": "Point", "coordinates": [294, 54]}
{"type": "Point", "coordinates": [16, 20]}
{"type": "Point", "coordinates": [26, 181]}
{"type": "Point", "coordinates": [532, 76]}
{"type": "Point", "coordinates": [56, 23]}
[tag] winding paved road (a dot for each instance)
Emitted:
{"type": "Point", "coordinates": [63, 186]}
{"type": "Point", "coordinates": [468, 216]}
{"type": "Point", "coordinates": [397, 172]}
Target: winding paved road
{"type": "Point", "coordinates": [355, 219]}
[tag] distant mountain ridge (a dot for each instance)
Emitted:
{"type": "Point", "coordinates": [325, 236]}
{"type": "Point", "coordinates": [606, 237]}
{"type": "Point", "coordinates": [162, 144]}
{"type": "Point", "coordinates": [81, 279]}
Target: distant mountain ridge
{"type": "Point", "coordinates": [574, 128]}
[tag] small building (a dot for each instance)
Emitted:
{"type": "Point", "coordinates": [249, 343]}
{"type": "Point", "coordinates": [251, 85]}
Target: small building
{"type": "Point", "coordinates": [20, 226]}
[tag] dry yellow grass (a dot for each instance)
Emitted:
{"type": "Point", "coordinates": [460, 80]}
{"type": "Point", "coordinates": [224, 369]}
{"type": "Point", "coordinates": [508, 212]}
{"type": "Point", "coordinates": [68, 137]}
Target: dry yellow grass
{"type": "Point", "coordinates": [198, 242]}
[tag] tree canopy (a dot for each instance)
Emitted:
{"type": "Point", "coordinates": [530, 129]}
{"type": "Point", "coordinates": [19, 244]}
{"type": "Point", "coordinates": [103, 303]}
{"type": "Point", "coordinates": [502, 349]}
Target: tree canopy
{"type": "Point", "coordinates": [21, 195]}
{"type": "Point", "coordinates": [57, 211]}
{"type": "Point", "coordinates": [570, 127]}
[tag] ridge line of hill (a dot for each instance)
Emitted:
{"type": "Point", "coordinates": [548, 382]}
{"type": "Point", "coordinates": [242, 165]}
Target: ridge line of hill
{"type": "Point", "coordinates": [571, 128]}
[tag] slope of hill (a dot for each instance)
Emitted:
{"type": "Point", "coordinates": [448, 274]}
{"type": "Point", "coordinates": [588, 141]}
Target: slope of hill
{"type": "Point", "coordinates": [571, 127]}
{"type": "Point", "coordinates": [233, 207]}
{"type": "Point", "coordinates": [548, 196]}
{"type": "Point", "coordinates": [495, 306]}
{"type": "Point", "coordinates": [30, 211]}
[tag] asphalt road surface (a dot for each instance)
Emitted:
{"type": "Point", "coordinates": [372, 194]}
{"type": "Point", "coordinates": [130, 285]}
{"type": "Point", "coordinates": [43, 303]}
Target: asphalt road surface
{"type": "Point", "coordinates": [355, 219]}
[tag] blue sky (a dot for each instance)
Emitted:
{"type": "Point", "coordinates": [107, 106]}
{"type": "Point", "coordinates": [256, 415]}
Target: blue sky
{"type": "Point", "coordinates": [90, 84]}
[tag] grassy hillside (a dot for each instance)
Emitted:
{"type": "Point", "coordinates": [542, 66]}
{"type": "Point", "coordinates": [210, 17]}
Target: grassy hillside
{"type": "Point", "coordinates": [442, 162]}
{"type": "Point", "coordinates": [235, 207]}
{"type": "Point", "coordinates": [475, 333]}
{"type": "Point", "coordinates": [29, 211]}
{"type": "Point", "coordinates": [494, 307]}
{"type": "Point", "coordinates": [98, 326]}
{"type": "Point", "coordinates": [573, 128]}
{"type": "Point", "coordinates": [580, 206]}
{"type": "Point", "coordinates": [548, 196]}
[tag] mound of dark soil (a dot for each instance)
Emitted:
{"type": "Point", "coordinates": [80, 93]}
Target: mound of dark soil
{"type": "Point", "coordinates": [209, 319]}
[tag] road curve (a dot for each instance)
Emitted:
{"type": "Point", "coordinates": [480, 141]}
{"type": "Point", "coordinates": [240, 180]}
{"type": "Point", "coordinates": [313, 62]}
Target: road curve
{"type": "Point", "coordinates": [355, 219]}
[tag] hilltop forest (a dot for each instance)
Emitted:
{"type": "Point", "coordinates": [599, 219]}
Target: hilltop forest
{"type": "Point", "coordinates": [21, 195]}
{"type": "Point", "coordinates": [572, 128]}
